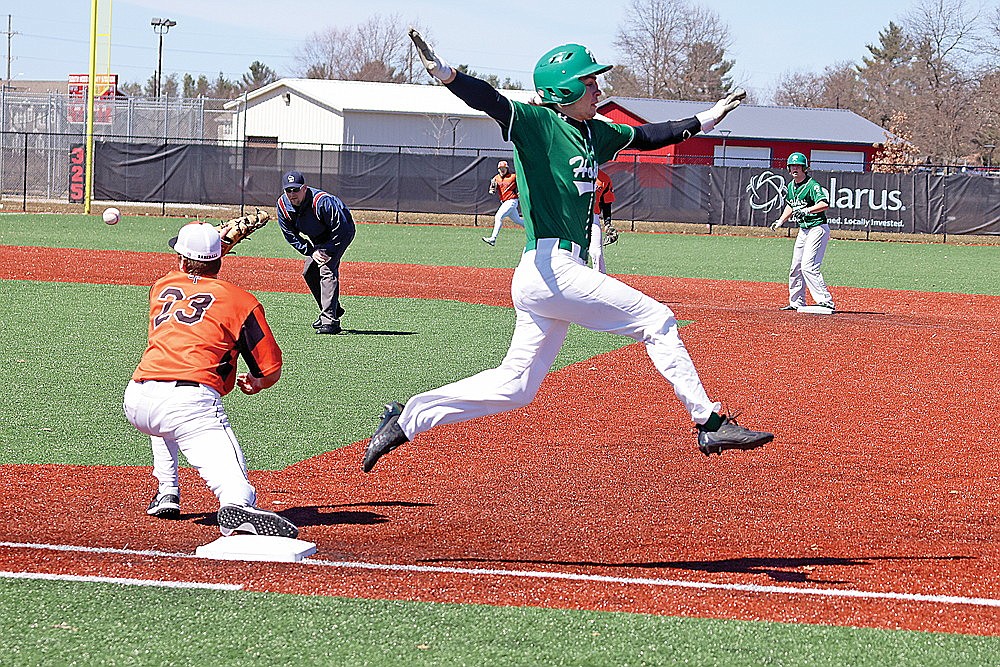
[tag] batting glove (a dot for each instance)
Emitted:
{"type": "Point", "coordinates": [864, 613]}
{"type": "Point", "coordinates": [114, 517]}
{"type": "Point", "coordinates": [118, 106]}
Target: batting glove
{"type": "Point", "coordinates": [776, 224]}
{"type": "Point", "coordinates": [436, 67]}
{"type": "Point", "coordinates": [712, 117]}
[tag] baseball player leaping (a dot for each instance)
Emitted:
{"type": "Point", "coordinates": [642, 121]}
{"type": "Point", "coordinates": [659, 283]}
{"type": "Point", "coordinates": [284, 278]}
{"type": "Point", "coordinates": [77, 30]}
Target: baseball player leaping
{"type": "Point", "coordinates": [198, 326]}
{"type": "Point", "coordinates": [558, 146]}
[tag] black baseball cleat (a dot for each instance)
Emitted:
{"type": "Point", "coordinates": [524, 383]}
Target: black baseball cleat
{"type": "Point", "coordinates": [730, 436]}
{"type": "Point", "coordinates": [333, 329]}
{"type": "Point", "coordinates": [249, 519]}
{"type": "Point", "coordinates": [167, 506]}
{"type": "Point", "coordinates": [790, 306]}
{"type": "Point", "coordinates": [319, 320]}
{"type": "Point", "coordinates": [388, 436]}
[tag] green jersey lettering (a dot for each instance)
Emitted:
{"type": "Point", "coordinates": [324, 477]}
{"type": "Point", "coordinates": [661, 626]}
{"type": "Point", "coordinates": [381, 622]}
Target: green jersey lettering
{"type": "Point", "coordinates": [557, 163]}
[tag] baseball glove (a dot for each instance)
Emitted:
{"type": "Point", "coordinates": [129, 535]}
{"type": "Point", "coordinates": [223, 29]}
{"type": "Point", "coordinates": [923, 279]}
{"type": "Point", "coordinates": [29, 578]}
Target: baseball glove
{"type": "Point", "coordinates": [235, 230]}
{"type": "Point", "coordinates": [610, 233]}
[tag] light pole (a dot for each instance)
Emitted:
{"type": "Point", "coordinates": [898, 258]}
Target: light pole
{"type": "Point", "coordinates": [725, 135]}
{"type": "Point", "coordinates": [160, 27]}
{"type": "Point", "coordinates": [454, 129]}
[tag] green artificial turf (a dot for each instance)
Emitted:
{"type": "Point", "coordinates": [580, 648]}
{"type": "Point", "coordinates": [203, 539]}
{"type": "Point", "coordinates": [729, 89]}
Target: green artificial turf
{"type": "Point", "coordinates": [68, 351]}
{"type": "Point", "coordinates": [72, 348]}
{"type": "Point", "coordinates": [56, 623]}
{"type": "Point", "coordinates": [930, 267]}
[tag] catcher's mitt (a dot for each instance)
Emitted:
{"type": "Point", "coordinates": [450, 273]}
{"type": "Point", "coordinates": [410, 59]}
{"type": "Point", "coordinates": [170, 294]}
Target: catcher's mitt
{"type": "Point", "coordinates": [235, 230]}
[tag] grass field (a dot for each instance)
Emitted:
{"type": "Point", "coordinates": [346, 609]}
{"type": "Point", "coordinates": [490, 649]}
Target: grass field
{"type": "Point", "coordinates": [68, 350]}
{"type": "Point", "coordinates": [932, 267]}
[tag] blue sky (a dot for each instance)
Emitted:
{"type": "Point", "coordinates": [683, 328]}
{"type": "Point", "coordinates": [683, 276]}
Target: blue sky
{"type": "Point", "coordinates": [212, 36]}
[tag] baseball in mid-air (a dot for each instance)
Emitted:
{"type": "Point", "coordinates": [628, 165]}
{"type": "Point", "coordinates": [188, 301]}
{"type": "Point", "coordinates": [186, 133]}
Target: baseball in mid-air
{"type": "Point", "coordinates": [112, 216]}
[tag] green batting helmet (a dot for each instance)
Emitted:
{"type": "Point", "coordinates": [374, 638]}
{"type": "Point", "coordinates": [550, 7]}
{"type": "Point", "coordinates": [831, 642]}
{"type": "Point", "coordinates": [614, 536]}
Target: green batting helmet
{"type": "Point", "coordinates": [797, 158]}
{"type": "Point", "coordinates": [557, 74]}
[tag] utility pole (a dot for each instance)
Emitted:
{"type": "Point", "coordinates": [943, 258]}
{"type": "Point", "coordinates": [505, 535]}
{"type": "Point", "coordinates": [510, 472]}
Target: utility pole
{"type": "Point", "coordinates": [10, 34]}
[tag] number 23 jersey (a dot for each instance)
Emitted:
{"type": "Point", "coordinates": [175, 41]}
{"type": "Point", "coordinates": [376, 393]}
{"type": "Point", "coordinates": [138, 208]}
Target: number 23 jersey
{"type": "Point", "coordinates": [198, 326]}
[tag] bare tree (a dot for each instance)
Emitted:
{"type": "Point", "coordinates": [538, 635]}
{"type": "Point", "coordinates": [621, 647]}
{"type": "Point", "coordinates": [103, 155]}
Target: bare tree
{"type": "Point", "coordinates": [836, 88]}
{"type": "Point", "coordinates": [375, 50]}
{"type": "Point", "coordinates": [671, 49]}
{"type": "Point", "coordinates": [945, 34]}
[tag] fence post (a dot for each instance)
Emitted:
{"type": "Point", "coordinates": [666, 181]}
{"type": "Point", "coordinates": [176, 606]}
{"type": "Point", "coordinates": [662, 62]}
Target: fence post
{"type": "Point", "coordinates": [243, 174]}
{"type": "Point", "coordinates": [24, 190]}
{"type": "Point", "coordinates": [163, 179]}
{"type": "Point", "coordinates": [399, 163]}
{"type": "Point", "coordinates": [475, 216]}
{"type": "Point", "coordinates": [635, 184]}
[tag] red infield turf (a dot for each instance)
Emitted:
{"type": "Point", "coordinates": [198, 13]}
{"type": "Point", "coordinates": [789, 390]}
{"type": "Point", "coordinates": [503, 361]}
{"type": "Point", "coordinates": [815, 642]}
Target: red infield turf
{"type": "Point", "coordinates": [875, 506]}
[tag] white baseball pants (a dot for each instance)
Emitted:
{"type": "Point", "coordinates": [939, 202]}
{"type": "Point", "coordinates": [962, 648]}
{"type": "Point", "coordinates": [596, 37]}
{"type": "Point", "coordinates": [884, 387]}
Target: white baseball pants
{"type": "Point", "coordinates": [190, 420]}
{"type": "Point", "coordinates": [807, 256]}
{"type": "Point", "coordinates": [508, 211]}
{"type": "Point", "coordinates": [596, 249]}
{"type": "Point", "coordinates": [551, 288]}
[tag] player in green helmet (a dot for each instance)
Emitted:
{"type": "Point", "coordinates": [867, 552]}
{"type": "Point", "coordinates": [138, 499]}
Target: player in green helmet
{"type": "Point", "coordinates": [558, 76]}
{"type": "Point", "coordinates": [807, 202]}
{"type": "Point", "coordinates": [558, 147]}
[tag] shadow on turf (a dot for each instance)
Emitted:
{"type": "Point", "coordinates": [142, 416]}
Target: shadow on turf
{"type": "Point", "coordinates": [375, 332]}
{"type": "Point", "coordinates": [320, 515]}
{"type": "Point", "coordinates": [777, 569]}
{"type": "Point", "coordinates": [339, 515]}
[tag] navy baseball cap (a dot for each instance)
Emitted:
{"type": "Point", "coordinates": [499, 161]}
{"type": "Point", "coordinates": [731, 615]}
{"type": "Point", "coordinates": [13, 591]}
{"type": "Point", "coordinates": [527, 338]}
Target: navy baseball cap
{"type": "Point", "coordinates": [293, 179]}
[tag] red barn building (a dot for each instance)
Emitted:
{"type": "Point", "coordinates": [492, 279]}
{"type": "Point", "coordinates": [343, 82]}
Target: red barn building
{"type": "Point", "coordinates": [756, 136]}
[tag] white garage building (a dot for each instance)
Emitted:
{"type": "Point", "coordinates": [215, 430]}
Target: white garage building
{"type": "Point", "coordinates": [356, 113]}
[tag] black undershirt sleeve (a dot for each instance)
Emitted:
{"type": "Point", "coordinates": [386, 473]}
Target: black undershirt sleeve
{"type": "Point", "coordinates": [481, 96]}
{"type": "Point", "coordinates": [651, 136]}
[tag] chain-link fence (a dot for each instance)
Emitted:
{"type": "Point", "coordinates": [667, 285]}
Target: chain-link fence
{"type": "Point", "coordinates": [172, 153]}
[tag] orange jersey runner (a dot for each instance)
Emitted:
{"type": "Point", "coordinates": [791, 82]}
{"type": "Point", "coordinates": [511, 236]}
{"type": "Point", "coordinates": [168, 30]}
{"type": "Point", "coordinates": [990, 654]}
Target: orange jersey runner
{"type": "Point", "coordinates": [506, 186]}
{"type": "Point", "coordinates": [603, 192]}
{"type": "Point", "coordinates": [197, 328]}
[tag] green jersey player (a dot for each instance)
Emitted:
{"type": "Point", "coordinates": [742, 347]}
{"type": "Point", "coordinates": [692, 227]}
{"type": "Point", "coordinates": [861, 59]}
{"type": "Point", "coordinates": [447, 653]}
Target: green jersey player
{"type": "Point", "coordinates": [558, 146]}
{"type": "Point", "coordinates": [807, 202]}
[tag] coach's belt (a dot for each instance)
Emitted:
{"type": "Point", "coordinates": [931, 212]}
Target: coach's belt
{"type": "Point", "coordinates": [564, 244]}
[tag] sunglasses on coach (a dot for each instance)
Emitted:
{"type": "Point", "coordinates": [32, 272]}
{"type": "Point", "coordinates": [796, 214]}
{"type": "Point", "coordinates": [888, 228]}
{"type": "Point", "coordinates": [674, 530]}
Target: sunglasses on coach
{"type": "Point", "coordinates": [294, 188]}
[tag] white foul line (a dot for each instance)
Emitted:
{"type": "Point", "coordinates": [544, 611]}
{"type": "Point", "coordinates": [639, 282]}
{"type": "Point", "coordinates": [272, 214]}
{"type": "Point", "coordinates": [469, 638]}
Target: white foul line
{"type": "Point", "coordinates": [117, 580]}
{"type": "Point", "coordinates": [748, 588]}
{"type": "Point", "coordinates": [570, 576]}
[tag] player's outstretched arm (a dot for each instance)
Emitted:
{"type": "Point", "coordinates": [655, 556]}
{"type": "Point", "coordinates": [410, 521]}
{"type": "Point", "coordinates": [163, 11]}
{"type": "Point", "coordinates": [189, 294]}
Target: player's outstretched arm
{"type": "Point", "coordinates": [477, 93]}
{"type": "Point", "coordinates": [712, 117]}
{"type": "Point", "coordinates": [434, 65]}
{"type": "Point", "coordinates": [651, 136]}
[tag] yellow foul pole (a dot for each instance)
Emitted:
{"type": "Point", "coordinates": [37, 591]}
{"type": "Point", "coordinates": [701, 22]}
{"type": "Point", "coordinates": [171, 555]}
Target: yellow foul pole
{"type": "Point", "coordinates": [91, 84]}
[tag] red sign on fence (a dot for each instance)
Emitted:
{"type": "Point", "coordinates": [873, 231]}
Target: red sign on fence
{"type": "Point", "coordinates": [104, 95]}
{"type": "Point", "coordinates": [77, 174]}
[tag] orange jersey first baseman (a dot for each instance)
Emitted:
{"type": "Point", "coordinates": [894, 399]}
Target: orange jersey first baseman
{"type": "Point", "coordinates": [199, 327]}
